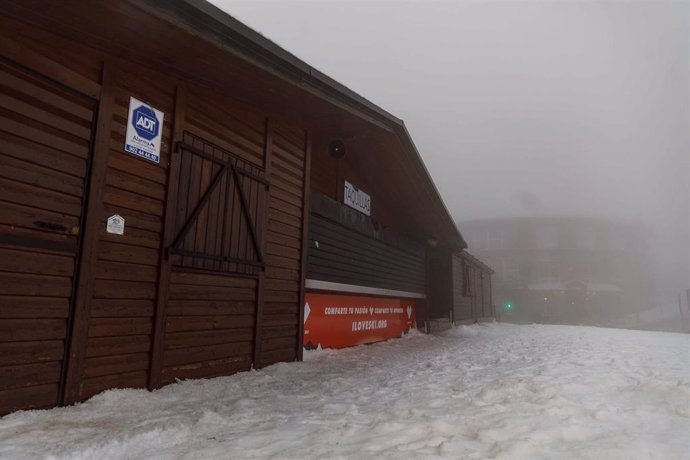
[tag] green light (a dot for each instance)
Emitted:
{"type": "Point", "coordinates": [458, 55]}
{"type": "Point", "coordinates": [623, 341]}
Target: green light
{"type": "Point", "coordinates": [509, 306]}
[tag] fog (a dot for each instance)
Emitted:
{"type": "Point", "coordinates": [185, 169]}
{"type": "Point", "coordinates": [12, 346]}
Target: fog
{"type": "Point", "coordinates": [521, 108]}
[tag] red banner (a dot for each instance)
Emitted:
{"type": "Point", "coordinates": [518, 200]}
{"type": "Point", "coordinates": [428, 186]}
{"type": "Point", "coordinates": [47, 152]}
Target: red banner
{"type": "Point", "coordinates": [339, 321]}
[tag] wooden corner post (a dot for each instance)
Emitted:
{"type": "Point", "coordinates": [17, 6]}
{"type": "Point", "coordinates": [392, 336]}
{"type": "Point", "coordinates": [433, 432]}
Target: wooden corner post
{"type": "Point", "coordinates": [305, 242]}
{"type": "Point", "coordinates": [78, 336]}
{"type": "Point", "coordinates": [263, 213]}
{"type": "Point", "coordinates": [164, 266]}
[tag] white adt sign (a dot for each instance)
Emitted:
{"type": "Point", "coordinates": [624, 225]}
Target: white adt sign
{"type": "Point", "coordinates": [144, 130]}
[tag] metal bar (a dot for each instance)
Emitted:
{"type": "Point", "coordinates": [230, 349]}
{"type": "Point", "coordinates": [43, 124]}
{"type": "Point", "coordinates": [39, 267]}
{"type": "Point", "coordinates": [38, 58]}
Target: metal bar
{"type": "Point", "coordinates": [250, 223]}
{"type": "Point", "coordinates": [199, 207]}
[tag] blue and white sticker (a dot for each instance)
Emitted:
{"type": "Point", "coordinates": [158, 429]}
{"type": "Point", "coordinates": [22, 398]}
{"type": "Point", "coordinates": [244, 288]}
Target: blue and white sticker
{"type": "Point", "coordinates": [144, 130]}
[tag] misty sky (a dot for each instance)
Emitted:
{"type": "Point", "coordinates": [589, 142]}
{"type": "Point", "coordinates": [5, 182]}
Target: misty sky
{"type": "Point", "coordinates": [562, 107]}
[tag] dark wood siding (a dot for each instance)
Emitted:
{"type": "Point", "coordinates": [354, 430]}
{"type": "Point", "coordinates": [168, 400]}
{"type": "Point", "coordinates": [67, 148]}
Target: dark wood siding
{"type": "Point", "coordinates": [45, 144]}
{"type": "Point", "coordinates": [471, 290]}
{"type": "Point", "coordinates": [143, 316]}
{"type": "Point", "coordinates": [282, 304]}
{"type": "Point", "coordinates": [351, 251]}
{"type": "Point", "coordinates": [118, 348]}
{"type": "Point", "coordinates": [209, 328]}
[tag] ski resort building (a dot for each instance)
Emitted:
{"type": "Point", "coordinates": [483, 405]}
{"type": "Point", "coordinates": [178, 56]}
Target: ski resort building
{"type": "Point", "coordinates": [172, 186]}
{"type": "Point", "coordinates": [565, 269]}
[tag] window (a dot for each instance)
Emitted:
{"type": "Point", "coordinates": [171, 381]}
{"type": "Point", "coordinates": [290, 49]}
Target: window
{"type": "Point", "coordinates": [219, 210]}
{"type": "Point", "coordinates": [547, 237]}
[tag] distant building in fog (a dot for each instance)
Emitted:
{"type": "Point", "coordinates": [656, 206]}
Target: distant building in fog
{"type": "Point", "coordinates": [564, 269]}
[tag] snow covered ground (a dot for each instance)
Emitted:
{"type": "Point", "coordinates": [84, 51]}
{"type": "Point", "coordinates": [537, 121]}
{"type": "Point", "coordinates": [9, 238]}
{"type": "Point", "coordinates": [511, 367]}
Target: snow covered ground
{"type": "Point", "coordinates": [484, 391]}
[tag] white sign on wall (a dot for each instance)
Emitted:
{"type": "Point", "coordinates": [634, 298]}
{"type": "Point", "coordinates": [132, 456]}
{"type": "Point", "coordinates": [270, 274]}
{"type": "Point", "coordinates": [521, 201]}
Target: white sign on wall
{"type": "Point", "coordinates": [115, 224]}
{"type": "Point", "coordinates": [144, 130]}
{"type": "Point", "coordinates": [357, 199]}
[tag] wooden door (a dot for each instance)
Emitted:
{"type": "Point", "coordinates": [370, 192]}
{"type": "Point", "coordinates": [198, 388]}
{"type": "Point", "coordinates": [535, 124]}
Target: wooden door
{"type": "Point", "coordinates": [45, 144]}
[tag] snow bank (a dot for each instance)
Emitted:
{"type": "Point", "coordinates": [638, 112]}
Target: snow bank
{"type": "Point", "coordinates": [482, 391]}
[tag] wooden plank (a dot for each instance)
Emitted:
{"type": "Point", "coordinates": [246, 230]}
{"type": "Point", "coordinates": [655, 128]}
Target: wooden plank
{"type": "Point", "coordinates": [211, 279]}
{"type": "Point", "coordinates": [178, 356]}
{"type": "Point", "coordinates": [39, 155]}
{"type": "Point", "coordinates": [282, 274]}
{"type": "Point", "coordinates": [41, 64]}
{"type": "Point", "coordinates": [133, 236]}
{"type": "Point", "coordinates": [127, 163]}
{"type": "Point", "coordinates": [278, 308]}
{"type": "Point", "coordinates": [263, 224]}
{"type": "Point", "coordinates": [138, 185]}
{"type": "Point", "coordinates": [36, 397]}
{"type": "Point", "coordinates": [305, 237]}
{"type": "Point", "coordinates": [164, 263]}
{"type": "Point", "coordinates": [117, 289]}
{"type": "Point", "coordinates": [207, 369]}
{"type": "Point", "coordinates": [114, 365]}
{"type": "Point", "coordinates": [23, 261]}
{"type": "Point", "coordinates": [199, 338]}
{"type": "Point", "coordinates": [278, 356]}
{"type": "Point", "coordinates": [13, 353]}
{"type": "Point", "coordinates": [28, 87]}
{"type": "Point", "coordinates": [128, 254]}
{"type": "Point", "coordinates": [282, 296]}
{"type": "Point", "coordinates": [280, 331]}
{"type": "Point", "coordinates": [44, 137]}
{"type": "Point", "coordinates": [27, 195]}
{"type": "Point", "coordinates": [109, 346]}
{"type": "Point", "coordinates": [208, 323]}
{"type": "Point", "coordinates": [26, 330]}
{"type": "Point", "coordinates": [93, 386]}
{"type": "Point", "coordinates": [45, 117]}
{"type": "Point", "coordinates": [107, 270]}
{"type": "Point", "coordinates": [281, 320]}
{"type": "Point", "coordinates": [69, 391]}
{"type": "Point", "coordinates": [188, 292]}
{"type": "Point", "coordinates": [115, 308]}
{"type": "Point", "coordinates": [285, 343]}
{"type": "Point", "coordinates": [27, 375]}
{"type": "Point", "coordinates": [33, 307]}
{"type": "Point", "coordinates": [112, 327]}
{"type": "Point", "coordinates": [210, 307]}
{"type": "Point", "coordinates": [134, 219]}
{"type": "Point", "coordinates": [129, 200]}
{"type": "Point", "coordinates": [46, 286]}
{"type": "Point", "coordinates": [38, 176]}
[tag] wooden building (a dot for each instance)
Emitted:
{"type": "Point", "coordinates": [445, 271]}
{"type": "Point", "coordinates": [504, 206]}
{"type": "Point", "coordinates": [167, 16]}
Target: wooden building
{"type": "Point", "coordinates": [461, 290]}
{"type": "Point", "coordinates": [184, 257]}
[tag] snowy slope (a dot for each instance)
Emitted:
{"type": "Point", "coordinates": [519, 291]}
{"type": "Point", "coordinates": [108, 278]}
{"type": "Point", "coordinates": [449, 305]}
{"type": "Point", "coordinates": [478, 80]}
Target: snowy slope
{"type": "Point", "coordinates": [485, 391]}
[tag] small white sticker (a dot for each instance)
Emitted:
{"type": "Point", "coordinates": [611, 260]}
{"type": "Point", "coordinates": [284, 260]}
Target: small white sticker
{"type": "Point", "coordinates": [116, 225]}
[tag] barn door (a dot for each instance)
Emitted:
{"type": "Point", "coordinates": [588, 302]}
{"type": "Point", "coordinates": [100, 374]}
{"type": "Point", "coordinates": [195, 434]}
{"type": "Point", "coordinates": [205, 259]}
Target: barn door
{"type": "Point", "coordinates": [45, 144]}
{"type": "Point", "coordinates": [220, 201]}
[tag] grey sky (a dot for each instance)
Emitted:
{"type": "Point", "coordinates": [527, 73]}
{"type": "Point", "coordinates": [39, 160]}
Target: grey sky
{"type": "Point", "coordinates": [573, 107]}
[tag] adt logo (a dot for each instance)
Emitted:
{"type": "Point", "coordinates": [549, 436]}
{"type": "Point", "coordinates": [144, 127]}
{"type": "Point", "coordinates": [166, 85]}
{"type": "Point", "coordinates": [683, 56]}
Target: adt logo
{"type": "Point", "coordinates": [145, 122]}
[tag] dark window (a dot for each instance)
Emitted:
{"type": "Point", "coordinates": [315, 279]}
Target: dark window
{"type": "Point", "coordinates": [219, 211]}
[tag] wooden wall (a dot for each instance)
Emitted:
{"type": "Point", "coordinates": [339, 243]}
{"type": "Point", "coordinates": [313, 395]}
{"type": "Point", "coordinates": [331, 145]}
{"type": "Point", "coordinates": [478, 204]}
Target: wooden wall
{"type": "Point", "coordinates": [471, 289]}
{"type": "Point", "coordinates": [352, 251]}
{"type": "Point", "coordinates": [135, 314]}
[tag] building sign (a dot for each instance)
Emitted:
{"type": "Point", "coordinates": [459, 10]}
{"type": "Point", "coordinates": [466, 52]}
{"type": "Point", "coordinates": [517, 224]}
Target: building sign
{"type": "Point", "coordinates": [339, 321]}
{"type": "Point", "coordinates": [144, 130]}
{"type": "Point", "coordinates": [115, 224]}
{"type": "Point", "coordinates": [357, 199]}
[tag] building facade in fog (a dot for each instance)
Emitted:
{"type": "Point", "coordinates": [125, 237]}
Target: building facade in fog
{"type": "Point", "coordinates": [564, 269]}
